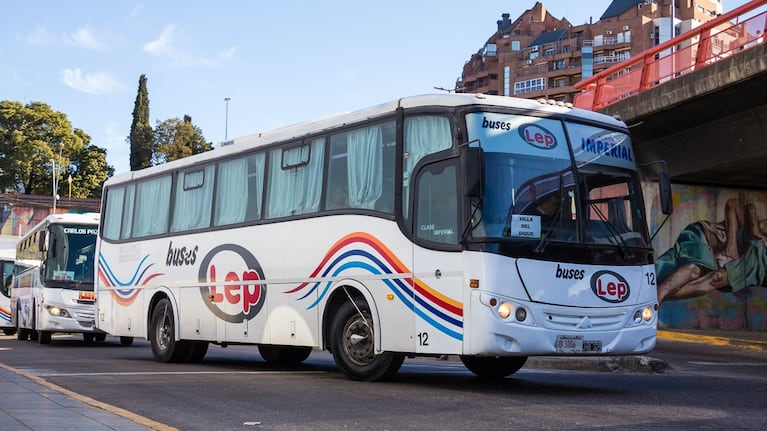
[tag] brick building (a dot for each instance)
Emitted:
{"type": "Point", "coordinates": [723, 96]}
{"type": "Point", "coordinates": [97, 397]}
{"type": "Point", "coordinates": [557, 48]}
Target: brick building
{"type": "Point", "coordinates": [538, 55]}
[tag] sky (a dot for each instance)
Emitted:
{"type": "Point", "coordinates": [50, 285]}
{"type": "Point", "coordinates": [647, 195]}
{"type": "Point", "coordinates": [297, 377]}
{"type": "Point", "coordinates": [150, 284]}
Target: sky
{"type": "Point", "coordinates": [278, 62]}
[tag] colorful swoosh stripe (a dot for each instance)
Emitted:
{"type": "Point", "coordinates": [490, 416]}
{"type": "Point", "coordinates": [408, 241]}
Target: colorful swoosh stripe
{"type": "Point", "coordinates": [360, 250]}
{"type": "Point", "coordinates": [5, 315]}
{"type": "Point", "coordinates": [141, 277]}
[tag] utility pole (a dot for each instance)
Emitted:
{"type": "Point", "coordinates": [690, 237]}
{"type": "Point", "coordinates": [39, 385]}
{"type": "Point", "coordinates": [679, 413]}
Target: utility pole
{"type": "Point", "coordinates": [226, 121]}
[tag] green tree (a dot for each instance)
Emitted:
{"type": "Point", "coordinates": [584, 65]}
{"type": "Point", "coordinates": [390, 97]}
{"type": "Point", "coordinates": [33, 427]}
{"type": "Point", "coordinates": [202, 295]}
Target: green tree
{"type": "Point", "coordinates": [89, 170]}
{"type": "Point", "coordinates": [33, 139]}
{"type": "Point", "coordinates": [175, 139]}
{"type": "Point", "coordinates": [141, 135]}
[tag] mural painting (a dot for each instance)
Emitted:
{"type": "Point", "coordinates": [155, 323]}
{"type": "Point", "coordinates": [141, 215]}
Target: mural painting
{"type": "Point", "coordinates": [712, 258]}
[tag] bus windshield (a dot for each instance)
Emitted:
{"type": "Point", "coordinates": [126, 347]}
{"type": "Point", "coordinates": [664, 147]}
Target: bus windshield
{"type": "Point", "coordinates": [537, 187]}
{"type": "Point", "coordinates": [69, 258]}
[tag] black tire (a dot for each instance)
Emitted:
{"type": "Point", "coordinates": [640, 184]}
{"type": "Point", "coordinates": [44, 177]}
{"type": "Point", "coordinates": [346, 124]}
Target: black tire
{"type": "Point", "coordinates": [45, 337]}
{"type": "Point", "coordinates": [33, 335]}
{"type": "Point", "coordinates": [163, 335]}
{"type": "Point", "coordinates": [88, 337]}
{"type": "Point", "coordinates": [9, 331]}
{"type": "Point", "coordinates": [352, 342]}
{"type": "Point", "coordinates": [101, 336]}
{"type": "Point", "coordinates": [22, 334]}
{"type": "Point", "coordinates": [126, 341]}
{"type": "Point", "coordinates": [196, 351]}
{"type": "Point", "coordinates": [284, 354]}
{"type": "Point", "coordinates": [493, 367]}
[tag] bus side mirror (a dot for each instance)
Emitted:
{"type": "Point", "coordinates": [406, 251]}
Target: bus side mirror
{"type": "Point", "coordinates": [664, 186]}
{"type": "Point", "coordinates": [473, 168]}
{"type": "Point", "coordinates": [41, 243]}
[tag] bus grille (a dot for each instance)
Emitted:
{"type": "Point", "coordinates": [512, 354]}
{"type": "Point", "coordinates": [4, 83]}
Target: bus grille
{"type": "Point", "coordinates": [583, 321]}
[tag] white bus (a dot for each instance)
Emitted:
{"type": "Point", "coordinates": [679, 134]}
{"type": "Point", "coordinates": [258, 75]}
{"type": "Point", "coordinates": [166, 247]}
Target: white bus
{"type": "Point", "coordinates": [53, 284]}
{"type": "Point", "coordinates": [405, 229]}
{"type": "Point", "coordinates": [7, 259]}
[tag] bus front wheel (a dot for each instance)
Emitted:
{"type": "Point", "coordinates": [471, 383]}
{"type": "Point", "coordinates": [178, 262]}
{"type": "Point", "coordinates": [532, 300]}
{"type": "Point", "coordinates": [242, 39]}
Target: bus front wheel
{"type": "Point", "coordinates": [494, 367]}
{"type": "Point", "coordinates": [163, 331]}
{"type": "Point", "coordinates": [45, 337]}
{"type": "Point", "coordinates": [352, 342]}
{"type": "Point", "coordinates": [9, 331]}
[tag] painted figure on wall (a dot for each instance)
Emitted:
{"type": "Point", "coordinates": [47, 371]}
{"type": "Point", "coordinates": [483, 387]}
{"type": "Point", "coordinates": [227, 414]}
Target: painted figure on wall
{"type": "Point", "coordinates": [729, 255]}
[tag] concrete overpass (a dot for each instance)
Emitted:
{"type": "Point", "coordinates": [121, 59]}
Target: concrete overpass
{"type": "Point", "coordinates": [701, 107]}
{"type": "Point", "coordinates": [709, 125]}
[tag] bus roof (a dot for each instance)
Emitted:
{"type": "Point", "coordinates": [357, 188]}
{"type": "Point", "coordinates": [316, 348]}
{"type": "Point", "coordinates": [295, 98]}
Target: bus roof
{"type": "Point", "coordinates": [326, 123]}
{"type": "Point", "coordinates": [91, 219]}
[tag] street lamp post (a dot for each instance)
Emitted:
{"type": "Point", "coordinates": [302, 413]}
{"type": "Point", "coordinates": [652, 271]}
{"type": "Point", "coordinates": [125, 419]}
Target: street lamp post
{"type": "Point", "coordinates": [226, 121]}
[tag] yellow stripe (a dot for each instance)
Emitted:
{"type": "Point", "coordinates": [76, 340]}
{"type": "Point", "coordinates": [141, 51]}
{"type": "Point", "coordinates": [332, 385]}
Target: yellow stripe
{"type": "Point", "coordinates": [710, 339]}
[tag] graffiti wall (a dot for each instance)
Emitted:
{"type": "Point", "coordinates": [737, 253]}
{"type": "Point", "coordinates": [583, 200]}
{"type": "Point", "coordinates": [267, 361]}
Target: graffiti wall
{"type": "Point", "coordinates": [19, 213]}
{"type": "Point", "coordinates": [711, 258]}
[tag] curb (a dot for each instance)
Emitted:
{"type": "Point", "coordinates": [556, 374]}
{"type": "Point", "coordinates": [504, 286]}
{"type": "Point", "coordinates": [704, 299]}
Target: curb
{"type": "Point", "coordinates": [612, 364]}
{"type": "Point", "coordinates": [713, 340]}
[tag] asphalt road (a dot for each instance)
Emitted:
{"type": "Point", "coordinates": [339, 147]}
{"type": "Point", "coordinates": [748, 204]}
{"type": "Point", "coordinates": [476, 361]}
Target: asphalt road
{"type": "Point", "coordinates": [702, 387]}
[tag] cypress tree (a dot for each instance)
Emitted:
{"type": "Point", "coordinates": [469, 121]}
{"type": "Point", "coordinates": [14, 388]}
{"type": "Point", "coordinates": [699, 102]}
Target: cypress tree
{"type": "Point", "coordinates": [141, 136]}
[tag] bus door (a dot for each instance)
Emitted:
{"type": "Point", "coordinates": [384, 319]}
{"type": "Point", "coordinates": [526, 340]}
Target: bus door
{"type": "Point", "coordinates": [437, 260]}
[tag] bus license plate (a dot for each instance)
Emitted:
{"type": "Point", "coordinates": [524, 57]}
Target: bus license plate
{"type": "Point", "coordinates": [576, 344]}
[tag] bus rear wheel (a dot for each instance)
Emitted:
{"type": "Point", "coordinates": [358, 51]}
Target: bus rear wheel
{"type": "Point", "coordinates": [163, 331]}
{"type": "Point", "coordinates": [493, 367]}
{"type": "Point", "coordinates": [352, 342]}
{"type": "Point", "coordinates": [9, 331]}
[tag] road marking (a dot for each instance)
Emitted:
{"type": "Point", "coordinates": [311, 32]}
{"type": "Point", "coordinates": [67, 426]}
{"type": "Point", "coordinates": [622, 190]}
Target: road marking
{"type": "Point", "coordinates": [168, 373]}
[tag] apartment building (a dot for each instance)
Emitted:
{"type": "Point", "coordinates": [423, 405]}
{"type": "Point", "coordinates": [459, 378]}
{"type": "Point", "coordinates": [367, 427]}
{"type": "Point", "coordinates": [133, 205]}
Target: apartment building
{"type": "Point", "coordinates": [538, 55]}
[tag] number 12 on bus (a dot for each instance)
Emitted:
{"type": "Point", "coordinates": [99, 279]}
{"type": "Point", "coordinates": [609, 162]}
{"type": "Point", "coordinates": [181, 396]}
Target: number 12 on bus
{"type": "Point", "coordinates": [486, 227]}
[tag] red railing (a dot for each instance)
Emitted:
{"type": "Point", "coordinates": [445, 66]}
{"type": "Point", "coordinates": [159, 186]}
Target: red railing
{"type": "Point", "coordinates": [724, 36]}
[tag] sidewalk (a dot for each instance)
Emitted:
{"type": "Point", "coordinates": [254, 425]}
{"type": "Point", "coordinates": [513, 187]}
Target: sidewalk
{"type": "Point", "coordinates": [32, 404]}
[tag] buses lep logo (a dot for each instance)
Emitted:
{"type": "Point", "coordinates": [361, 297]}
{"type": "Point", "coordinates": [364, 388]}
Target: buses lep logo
{"type": "Point", "coordinates": [537, 136]}
{"type": "Point", "coordinates": [610, 286]}
{"type": "Point", "coordinates": [229, 275]}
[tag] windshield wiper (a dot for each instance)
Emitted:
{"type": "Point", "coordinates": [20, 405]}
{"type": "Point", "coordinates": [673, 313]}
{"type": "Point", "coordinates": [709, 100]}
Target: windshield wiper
{"type": "Point", "coordinates": [541, 247]}
{"type": "Point", "coordinates": [625, 249]}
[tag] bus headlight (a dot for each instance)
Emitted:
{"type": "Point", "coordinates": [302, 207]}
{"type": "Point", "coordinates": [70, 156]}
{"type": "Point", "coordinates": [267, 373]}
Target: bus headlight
{"type": "Point", "coordinates": [645, 314]}
{"type": "Point", "coordinates": [57, 311]}
{"type": "Point", "coordinates": [504, 310]}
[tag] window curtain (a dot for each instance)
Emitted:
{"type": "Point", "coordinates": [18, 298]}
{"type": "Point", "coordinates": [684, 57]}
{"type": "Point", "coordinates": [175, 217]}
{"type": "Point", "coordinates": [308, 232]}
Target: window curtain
{"type": "Point", "coordinates": [153, 202]}
{"type": "Point", "coordinates": [295, 190]}
{"type": "Point", "coordinates": [423, 136]}
{"type": "Point", "coordinates": [364, 173]}
{"type": "Point", "coordinates": [130, 196]}
{"type": "Point", "coordinates": [194, 198]}
{"type": "Point", "coordinates": [232, 192]}
{"type": "Point", "coordinates": [114, 213]}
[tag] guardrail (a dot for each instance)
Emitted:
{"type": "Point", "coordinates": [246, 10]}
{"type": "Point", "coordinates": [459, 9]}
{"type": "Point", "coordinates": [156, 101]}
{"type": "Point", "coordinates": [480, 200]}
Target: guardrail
{"type": "Point", "coordinates": [722, 37]}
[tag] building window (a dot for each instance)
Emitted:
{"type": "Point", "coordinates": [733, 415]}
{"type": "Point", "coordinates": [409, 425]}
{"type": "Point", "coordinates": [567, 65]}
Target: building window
{"type": "Point", "coordinates": [529, 86]}
{"type": "Point", "coordinates": [506, 80]}
{"type": "Point", "coordinates": [515, 45]}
